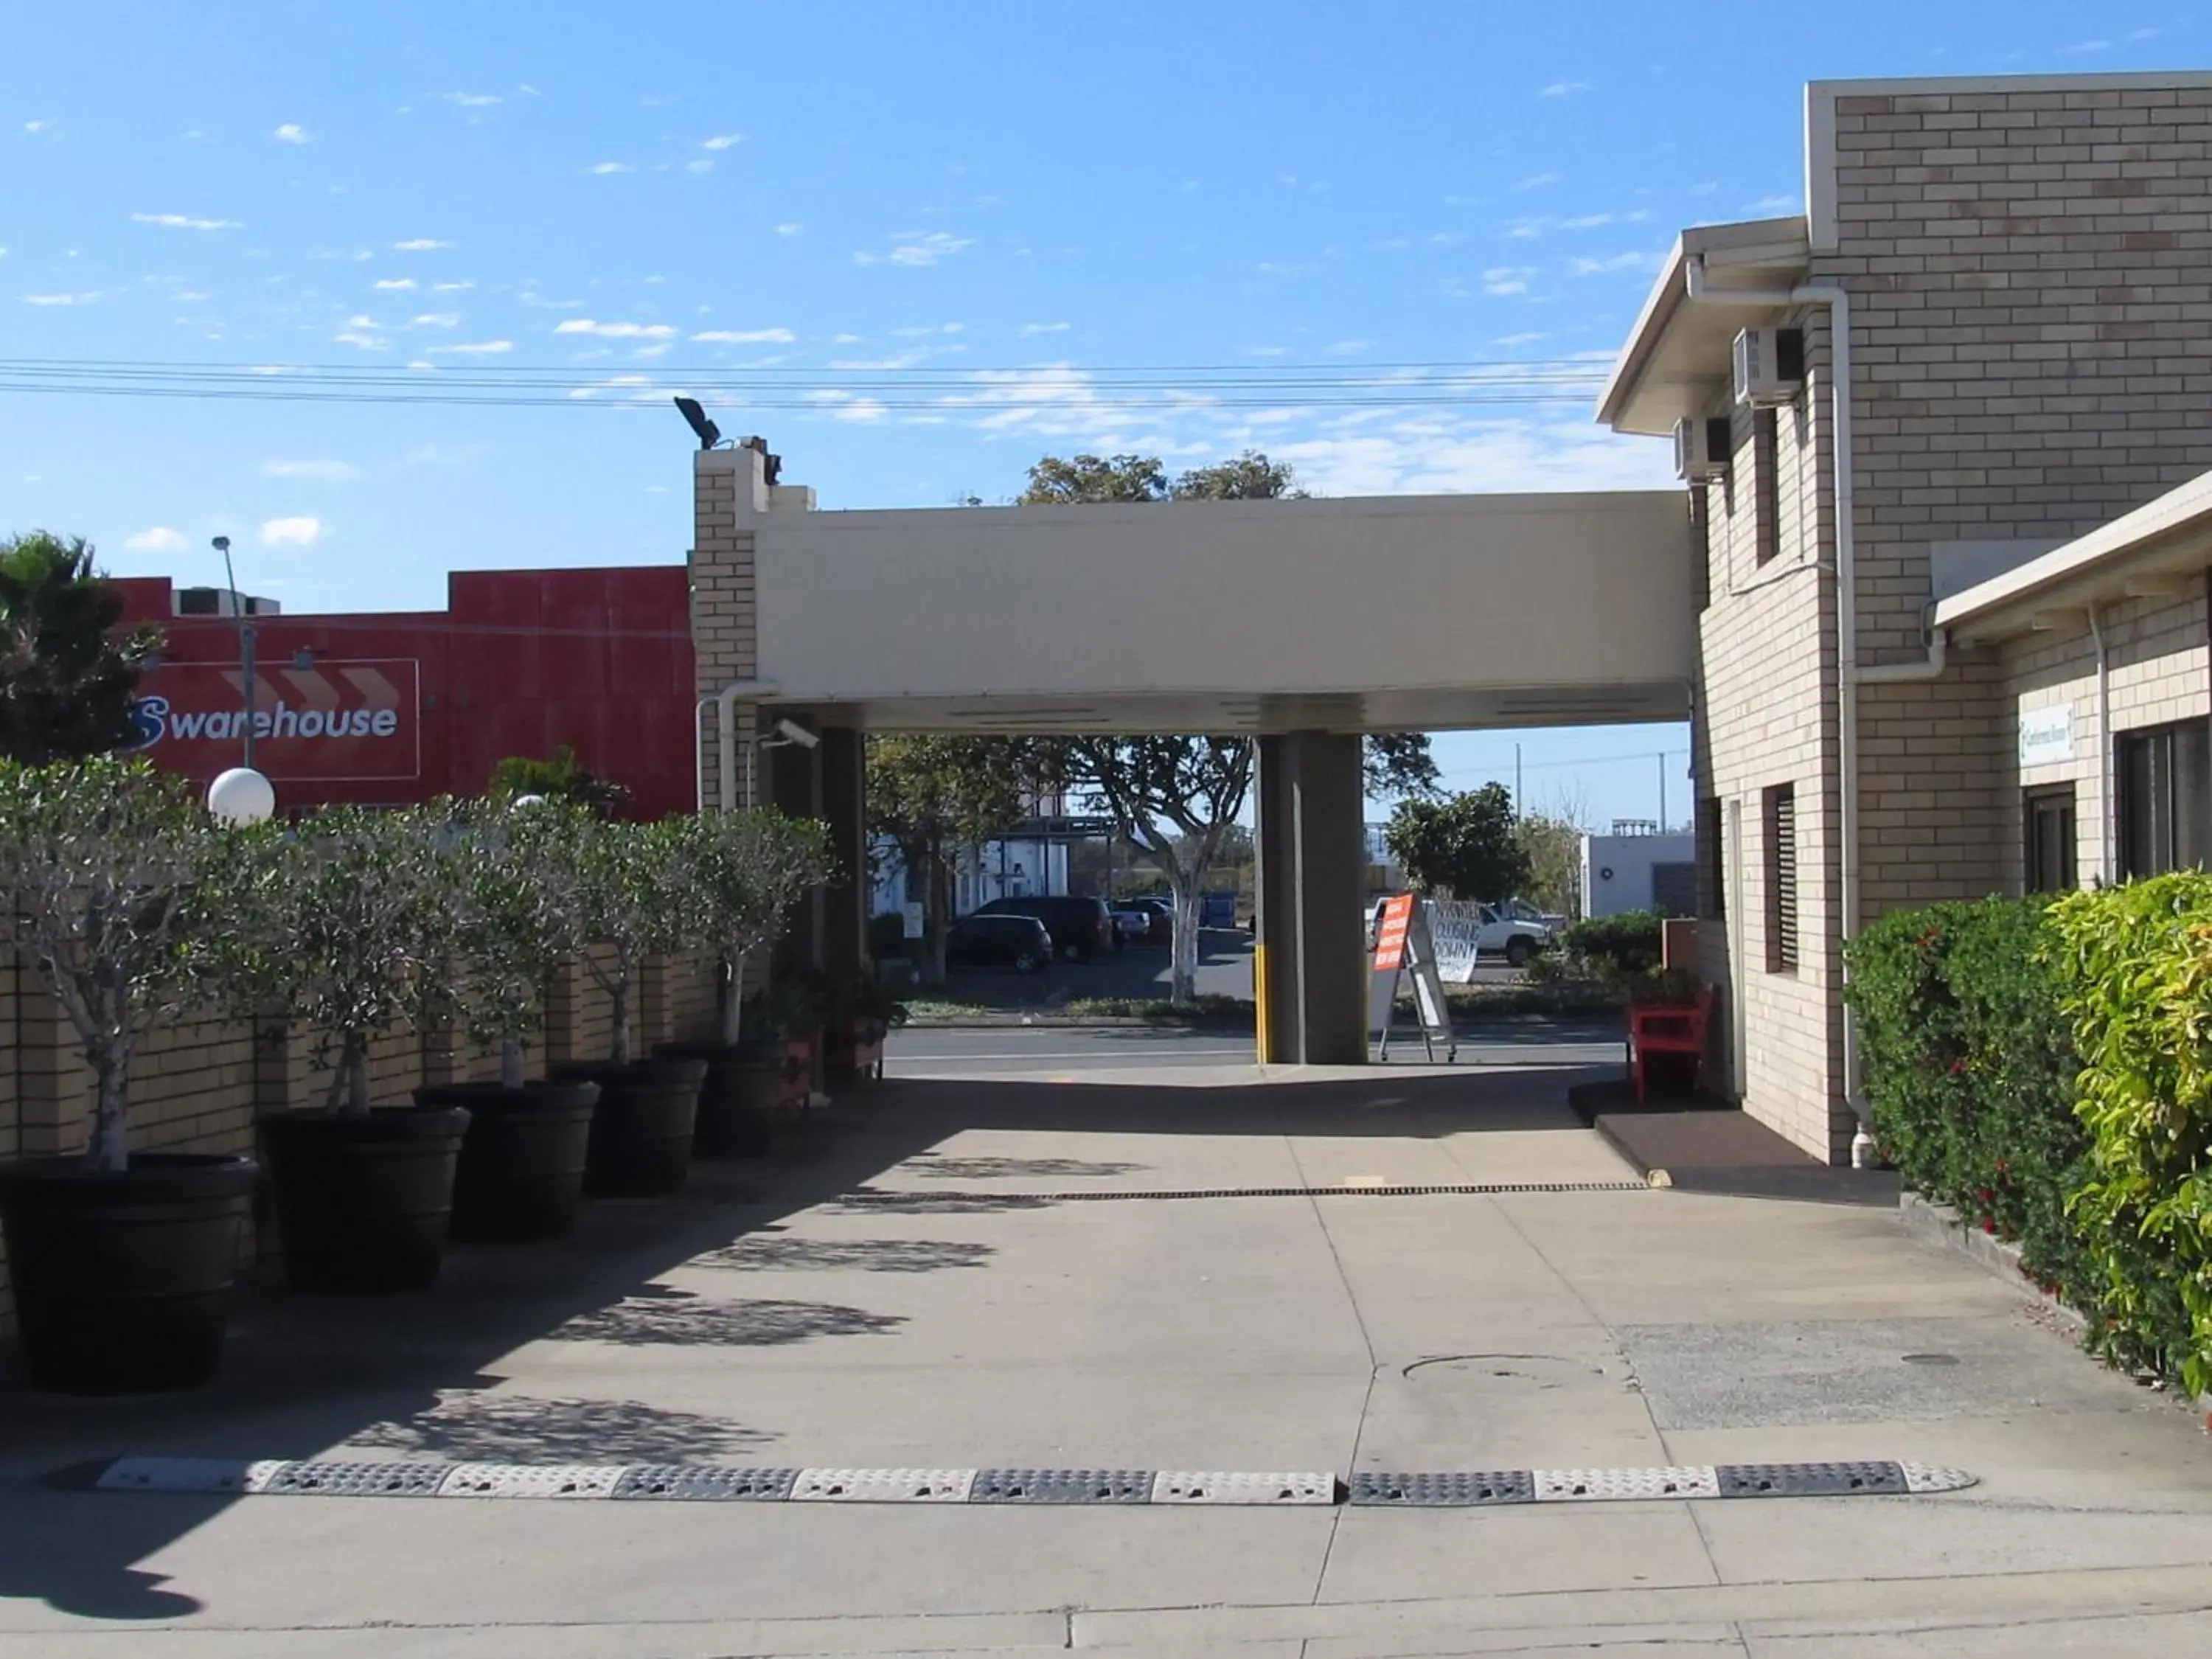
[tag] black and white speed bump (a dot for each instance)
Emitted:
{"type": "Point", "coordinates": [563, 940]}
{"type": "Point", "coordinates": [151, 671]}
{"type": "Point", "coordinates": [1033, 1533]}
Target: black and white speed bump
{"type": "Point", "coordinates": [225, 1477]}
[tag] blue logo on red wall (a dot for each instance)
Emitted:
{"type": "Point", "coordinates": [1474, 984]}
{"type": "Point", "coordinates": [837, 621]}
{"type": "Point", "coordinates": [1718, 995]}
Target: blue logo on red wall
{"type": "Point", "coordinates": [150, 722]}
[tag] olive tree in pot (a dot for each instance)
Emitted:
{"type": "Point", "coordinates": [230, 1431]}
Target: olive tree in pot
{"type": "Point", "coordinates": [349, 922]}
{"type": "Point", "coordinates": [625, 887]}
{"type": "Point", "coordinates": [521, 1169]}
{"type": "Point", "coordinates": [746, 870]}
{"type": "Point", "coordinates": [122, 1264]}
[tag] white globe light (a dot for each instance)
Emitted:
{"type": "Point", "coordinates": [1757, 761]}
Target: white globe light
{"type": "Point", "coordinates": [241, 796]}
{"type": "Point", "coordinates": [527, 800]}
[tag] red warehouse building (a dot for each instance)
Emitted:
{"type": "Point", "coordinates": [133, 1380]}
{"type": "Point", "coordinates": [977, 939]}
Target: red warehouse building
{"type": "Point", "coordinates": [385, 709]}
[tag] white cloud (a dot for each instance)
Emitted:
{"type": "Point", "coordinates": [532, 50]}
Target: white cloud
{"type": "Point", "coordinates": [446, 288]}
{"type": "Point", "coordinates": [600, 169]}
{"type": "Point", "coordinates": [361, 337]}
{"type": "Point", "coordinates": [917, 247]}
{"type": "Point", "coordinates": [1516, 339]}
{"type": "Point", "coordinates": [474, 349]}
{"type": "Point", "coordinates": [160, 539]}
{"type": "Point", "coordinates": [616, 331]}
{"type": "Point", "coordinates": [438, 320]}
{"type": "Point", "coordinates": [2083, 48]}
{"type": "Point", "coordinates": [1507, 279]}
{"type": "Point", "coordinates": [1629, 261]}
{"type": "Point", "coordinates": [1586, 221]}
{"type": "Point", "coordinates": [703, 164]}
{"type": "Point", "coordinates": [1537, 181]}
{"type": "Point", "coordinates": [791, 228]}
{"type": "Point", "coordinates": [722, 141]}
{"type": "Point", "coordinates": [420, 245]}
{"type": "Point", "coordinates": [328, 471]}
{"type": "Point", "coordinates": [303, 531]}
{"type": "Point", "coordinates": [394, 285]}
{"type": "Point", "coordinates": [1772, 204]}
{"type": "Point", "coordinates": [60, 299]}
{"type": "Point", "coordinates": [37, 126]}
{"type": "Point", "coordinates": [1563, 89]}
{"type": "Point", "coordinates": [627, 383]}
{"type": "Point", "coordinates": [743, 336]}
{"type": "Point", "coordinates": [1046, 328]}
{"type": "Point", "coordinates": [292, 133]}
{"type": "Point", "coordinates": [183, 222]}
{"type": "Point", "coordinates": [471, 100]}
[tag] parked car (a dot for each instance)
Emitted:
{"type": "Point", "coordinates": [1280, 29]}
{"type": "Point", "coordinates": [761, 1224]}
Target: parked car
{"type": "Point", "coordinates": [1020, 943]}
{"type": "Point", "coordinates": [1508, 935]}
{"type": "Point", "coordinates": [1145, 920]}
{"type": "Point", "coordinates": [1081, 928]}
{"type": "Point", "coordinates": [1519, 909]}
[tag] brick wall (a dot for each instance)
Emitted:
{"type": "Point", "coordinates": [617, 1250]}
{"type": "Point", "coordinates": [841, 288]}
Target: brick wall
{"type": "Point", "coordinates": [2032, 314]}
{"type": "Point", "coordinates": [1766, 717]}
{"type": "Point", "coordinates": [198, 1086]}
{"type": "Point", "coordinates": [2157, 666]}
{"type": "Point", "coordinates": [725, 619]}
{"type": "Point", "coordinates": [2028, 270]}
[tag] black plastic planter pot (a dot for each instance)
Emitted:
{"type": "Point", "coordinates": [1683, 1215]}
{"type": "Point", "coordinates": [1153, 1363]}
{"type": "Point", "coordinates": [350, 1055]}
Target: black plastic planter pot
{"type": "Point", "coordinates": [641, 1144]}
{"type": "Point", "coordinates": [736, 1102]}
{"type": "Point", "coordinates": [365, 1199]}
{"type": "Point", "coordinates": [522, 1162]}
{"type": "Point", "coordinates": [122, 1280]}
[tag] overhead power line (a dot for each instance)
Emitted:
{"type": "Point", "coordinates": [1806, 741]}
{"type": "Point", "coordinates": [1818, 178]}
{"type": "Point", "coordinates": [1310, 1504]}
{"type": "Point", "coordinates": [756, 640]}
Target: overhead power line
{"type": "Point", "coordinates": [1443, 386]}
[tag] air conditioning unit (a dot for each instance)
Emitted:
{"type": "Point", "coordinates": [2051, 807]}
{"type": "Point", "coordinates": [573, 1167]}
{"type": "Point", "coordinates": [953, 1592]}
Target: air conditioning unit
{"type": "Point", "coordinates": [1770, 366]}
{"type": "Point", "coordinates": [1701, 447]}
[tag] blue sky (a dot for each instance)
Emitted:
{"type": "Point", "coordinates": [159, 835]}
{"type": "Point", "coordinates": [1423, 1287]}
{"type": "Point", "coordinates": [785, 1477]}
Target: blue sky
{"type": "Point", "coordinates": [934, 226]}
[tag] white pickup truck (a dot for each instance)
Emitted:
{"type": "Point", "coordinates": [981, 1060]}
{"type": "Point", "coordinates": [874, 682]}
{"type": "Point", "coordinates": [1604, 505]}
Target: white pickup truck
{"type": "Point", "coordinates": [1511, 930]}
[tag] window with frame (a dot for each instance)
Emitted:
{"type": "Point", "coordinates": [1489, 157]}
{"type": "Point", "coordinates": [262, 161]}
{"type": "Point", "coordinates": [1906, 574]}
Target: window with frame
{"type": "Point", "coordinates": [1780, 813]}
{"type": "Point", "coordinates": [2165, 776]}
{"type": "Point", "coordinates": [2047, 840]}
{"type": "Point", "coordinates": [1766, 467]}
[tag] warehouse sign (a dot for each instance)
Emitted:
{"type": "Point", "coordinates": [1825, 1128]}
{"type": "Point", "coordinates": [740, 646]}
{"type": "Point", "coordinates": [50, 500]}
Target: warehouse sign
{"type": "Point", "coordinates": [338, 722]}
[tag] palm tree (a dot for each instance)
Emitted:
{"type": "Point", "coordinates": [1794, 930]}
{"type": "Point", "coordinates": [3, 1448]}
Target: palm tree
{"type": "Point", "coordinates": [66, 676]}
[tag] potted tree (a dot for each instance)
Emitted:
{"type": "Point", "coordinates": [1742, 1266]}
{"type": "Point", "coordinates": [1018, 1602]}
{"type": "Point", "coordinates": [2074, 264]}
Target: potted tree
{"type": "Point", "coordinates": [861, 1010]}
{"type": "Point", "coordinates": [346, 923]}
{"type": "Point", "coordinates": [521, 1168]}
{"type": "Point", "coordinates": [795, 1010]}
{"type": "Point", "coordinates": [746, 871]}
{"type": "Point", "coordinates": [623, 886]}
{"type": "Point", "coordinates": [122, 1264]}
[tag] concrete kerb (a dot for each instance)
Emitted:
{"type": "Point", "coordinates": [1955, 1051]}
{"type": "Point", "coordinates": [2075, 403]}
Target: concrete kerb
{"type": "Point", "coordinates": [1941, 1225]}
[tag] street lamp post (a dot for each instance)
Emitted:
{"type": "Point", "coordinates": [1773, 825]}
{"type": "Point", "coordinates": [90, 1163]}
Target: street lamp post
{"type": "Point", "coordinates": [246, 663]}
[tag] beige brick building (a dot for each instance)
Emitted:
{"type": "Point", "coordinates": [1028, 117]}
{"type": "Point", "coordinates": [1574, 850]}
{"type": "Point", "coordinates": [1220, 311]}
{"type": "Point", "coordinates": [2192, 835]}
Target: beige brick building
{"type": "Point", "coordinates": [1940, 668]}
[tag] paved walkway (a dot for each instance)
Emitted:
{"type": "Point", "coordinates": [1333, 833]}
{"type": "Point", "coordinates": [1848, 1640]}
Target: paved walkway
{"type": "Point", "coordinates": [764, 1320]}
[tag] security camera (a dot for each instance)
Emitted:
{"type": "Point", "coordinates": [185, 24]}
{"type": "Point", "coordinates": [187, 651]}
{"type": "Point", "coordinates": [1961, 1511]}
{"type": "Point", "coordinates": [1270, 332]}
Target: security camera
{"type": "Point", "coordinates": [793, 732]}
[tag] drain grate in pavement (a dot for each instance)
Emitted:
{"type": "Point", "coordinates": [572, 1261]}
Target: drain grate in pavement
{"type": "Point", "coordinates": [715, 1483]}
{"type": "Point", "coordinates": [918, 1200]}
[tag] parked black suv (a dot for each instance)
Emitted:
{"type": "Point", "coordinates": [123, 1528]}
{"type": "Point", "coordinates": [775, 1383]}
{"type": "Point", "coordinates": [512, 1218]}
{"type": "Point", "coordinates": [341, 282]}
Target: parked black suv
{"type": "Point", "coordinates": [1081, 928]}
{"type": "Point", "coordinates": [1017, 942]}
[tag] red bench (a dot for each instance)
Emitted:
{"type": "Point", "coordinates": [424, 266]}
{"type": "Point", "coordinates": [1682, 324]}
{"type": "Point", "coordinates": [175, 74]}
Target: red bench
{"type": "Point", "coordinates": [1679, 1028]}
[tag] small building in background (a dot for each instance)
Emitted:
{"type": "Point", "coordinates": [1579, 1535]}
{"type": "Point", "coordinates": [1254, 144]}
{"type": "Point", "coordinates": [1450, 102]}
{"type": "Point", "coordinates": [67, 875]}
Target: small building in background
{"type": "Point", "coordinates": [1639, 866]}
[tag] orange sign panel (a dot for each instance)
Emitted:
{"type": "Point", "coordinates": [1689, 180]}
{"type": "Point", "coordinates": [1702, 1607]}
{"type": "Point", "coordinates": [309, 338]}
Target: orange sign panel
{"type": "Point", "coordinates": [1390, 936]}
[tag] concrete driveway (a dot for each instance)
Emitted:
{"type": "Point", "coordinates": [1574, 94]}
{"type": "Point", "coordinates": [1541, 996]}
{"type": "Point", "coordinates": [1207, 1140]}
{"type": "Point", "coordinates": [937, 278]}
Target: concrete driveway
{"type": "Point", "coordinates": [982, 1270]}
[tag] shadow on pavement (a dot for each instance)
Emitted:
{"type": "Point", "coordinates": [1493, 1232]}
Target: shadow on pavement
{"type": "Point", "coordinates": [409, 1375]}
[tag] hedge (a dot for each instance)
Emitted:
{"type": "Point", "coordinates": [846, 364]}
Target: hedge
{"type": "Point", "coordinates": [2042, 1067]}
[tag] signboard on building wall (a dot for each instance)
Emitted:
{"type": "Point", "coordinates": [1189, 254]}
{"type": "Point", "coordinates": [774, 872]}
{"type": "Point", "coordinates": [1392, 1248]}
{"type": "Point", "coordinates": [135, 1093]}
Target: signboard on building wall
{"type": "Point", "coordinates": [338, 721]}
{"type": "Point", "coordinates": [2046, 735]}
